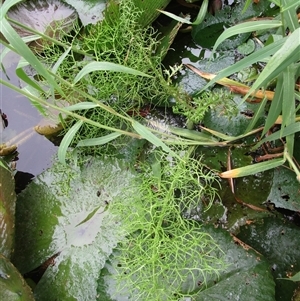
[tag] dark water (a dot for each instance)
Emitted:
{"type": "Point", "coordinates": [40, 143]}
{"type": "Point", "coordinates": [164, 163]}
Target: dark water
{"type": "Point", "coordinates": [35, 151]}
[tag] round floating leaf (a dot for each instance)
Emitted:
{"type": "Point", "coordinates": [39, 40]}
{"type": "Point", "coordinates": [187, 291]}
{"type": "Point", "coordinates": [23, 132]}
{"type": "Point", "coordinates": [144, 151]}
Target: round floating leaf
{"type": "Point", "coordinates": [12, 285]}
{"type": "Point", "coordinates": [7, 211]}
{"type": "Point", "coordinates": [285, 190]}
{"type": "Point", "coordinates": [247, 276]}
{"type": "Point", "coordinates": [278, 241]}
{"type": "Point", "coordinates": [52, 18]}
{"type": "Point", "coordinates": [63, 216]}
{"type": "Point", "coordinates": [90, 12]}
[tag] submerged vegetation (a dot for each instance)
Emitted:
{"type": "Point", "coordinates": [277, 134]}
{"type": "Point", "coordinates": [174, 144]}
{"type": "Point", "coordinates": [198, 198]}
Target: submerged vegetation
{"type": "Point", "coordinates": [142, 225]}
{"type": "Point", "coordinates": [165, 246]}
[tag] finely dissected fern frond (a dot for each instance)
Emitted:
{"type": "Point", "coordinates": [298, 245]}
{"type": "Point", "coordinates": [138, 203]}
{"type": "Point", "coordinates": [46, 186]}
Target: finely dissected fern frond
{"type": "Point", "coordinates": [164, 250]}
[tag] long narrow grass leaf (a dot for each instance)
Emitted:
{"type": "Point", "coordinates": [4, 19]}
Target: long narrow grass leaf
{"type": "Point", "coordinates": [289, 130]}
{"type": "Point", "coordinates": [285, 56]}
{"type": "Point", "coordinates": [175, 17]}
{"type": "Point", "coordinates": [86, 105]}
{"type": "Point", "coordinates": [246, 5]}
{"type": "Point", "coordinates": [65, 143]}
{"type": "Point", "coordinates": [259, 113]}
{"type": "Point", "coordinates": [246, 27]}
{"type": "Point", "coordinates": [290, 5]}
{"type": "Point", "coordinates": [255, 57]}
{"type": "Point", "coordinates": [193, 135]}
{"type": "Point", "coordinates": [288, 105]}
{"type": "Point", "coordinates": [24, 77]}
{"type": "Point", "coordinates": [99, 140]}
{"type": "Point", "coordinates": [22, 49]}
{"type": "Point", "coordinates": [275, 107]}
{"type": "Point", "coordinates": [202, 13]}
{"type": "Point", "coordinates": [6, 6]}
{"type": "Point", "coordinates": [106, 66]}
{"type": "Point", "coordinates": [146, 134]}
{"type": "Point", "coordinates": [289, 15]}
{"type": "Point", "coordinates": [60, 60]}
{"type": "Point", "coordinates": [252, 169]}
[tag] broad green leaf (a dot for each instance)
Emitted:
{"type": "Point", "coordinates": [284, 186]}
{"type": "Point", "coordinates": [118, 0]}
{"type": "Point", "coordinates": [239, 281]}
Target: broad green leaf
{"type": "Point", "coordinates": [90, 12]}
{"type": "Point", "coordinates": [284, 191]}
{"type": "Point", "coordinates": [233, 125]}
{"type": "Point", "coordinates": [209, 30]}
{"type": "Point", "coordinates": [7, 211]}
{"type": "Point", "coordinates": [106, 66]}
{"type": "Point", "coordinates": [247, 276]}
{"type": "Point", "coordinates": [99, 140]}
{"type": "Point", "coordinates": [246, 27]}
{"type": "Point", "coordinates": [12, 285]}
{"type": "Point", "coordinates": [65, 143]}
{"type": "Point", "coordinates": [277, 240]}
{"type": "Point", "coordinates": [72, 221]}
{"type": "Point", "coordinates": [289, 5]}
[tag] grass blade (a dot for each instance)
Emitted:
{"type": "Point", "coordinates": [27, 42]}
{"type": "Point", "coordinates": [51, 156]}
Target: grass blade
{"type": "Point", "coordinates": [65, 143]}
{"type": "Point", "coordinates": [146, 134]}
{"type": "Point", "coordinates": [175, 17]}
{"type": "Point", "coordinates": [252, 169]}
{"type": "Point", "coordinates": [99, 140]}
{"type": "Point", "coordinates": [289, 130]}
{"type": "Point", "coordinates": [259, 113]}
{"type": "Point", "coordinates": [106, 66]}
{"type": "Point", "coordinates": [193, 135]}
{"type": "Point", "coordinates": [275, 107]}
{"type": "Point", "coordinates": [287, 55]}
{"type": "Point", "coordinates": [60, 60]}
{"type": "Point", "coordinates": [202, 13]}
{"type": "Point", "coordinates": [86, 105]}
{"type": "Point", "coordinates": [288, 106]}
{"type": "Point", "coordinates": [255, 57]}
{"type": "Point", "coordinates": [25, 78]}
{"type": "Point", "coordinates": [246, 27]}
{"type": "Point", "coordinates": [21, 48]}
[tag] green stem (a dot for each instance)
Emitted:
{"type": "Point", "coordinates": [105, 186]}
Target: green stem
{"type": "Point", "coordinates": [292, 164]}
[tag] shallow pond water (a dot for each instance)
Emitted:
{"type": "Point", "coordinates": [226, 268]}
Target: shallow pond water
{"type": "Point", "coordinates": [35, 151]}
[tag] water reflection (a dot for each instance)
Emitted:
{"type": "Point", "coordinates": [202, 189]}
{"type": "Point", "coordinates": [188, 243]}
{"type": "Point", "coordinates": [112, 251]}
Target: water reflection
{"type": "Point", "coordinates": [35, 151]}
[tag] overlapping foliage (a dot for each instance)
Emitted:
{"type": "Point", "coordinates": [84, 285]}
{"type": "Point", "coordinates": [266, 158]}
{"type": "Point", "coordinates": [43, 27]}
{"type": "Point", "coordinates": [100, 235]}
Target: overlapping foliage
{"type": "Point", "coordinates": [105, 74]}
